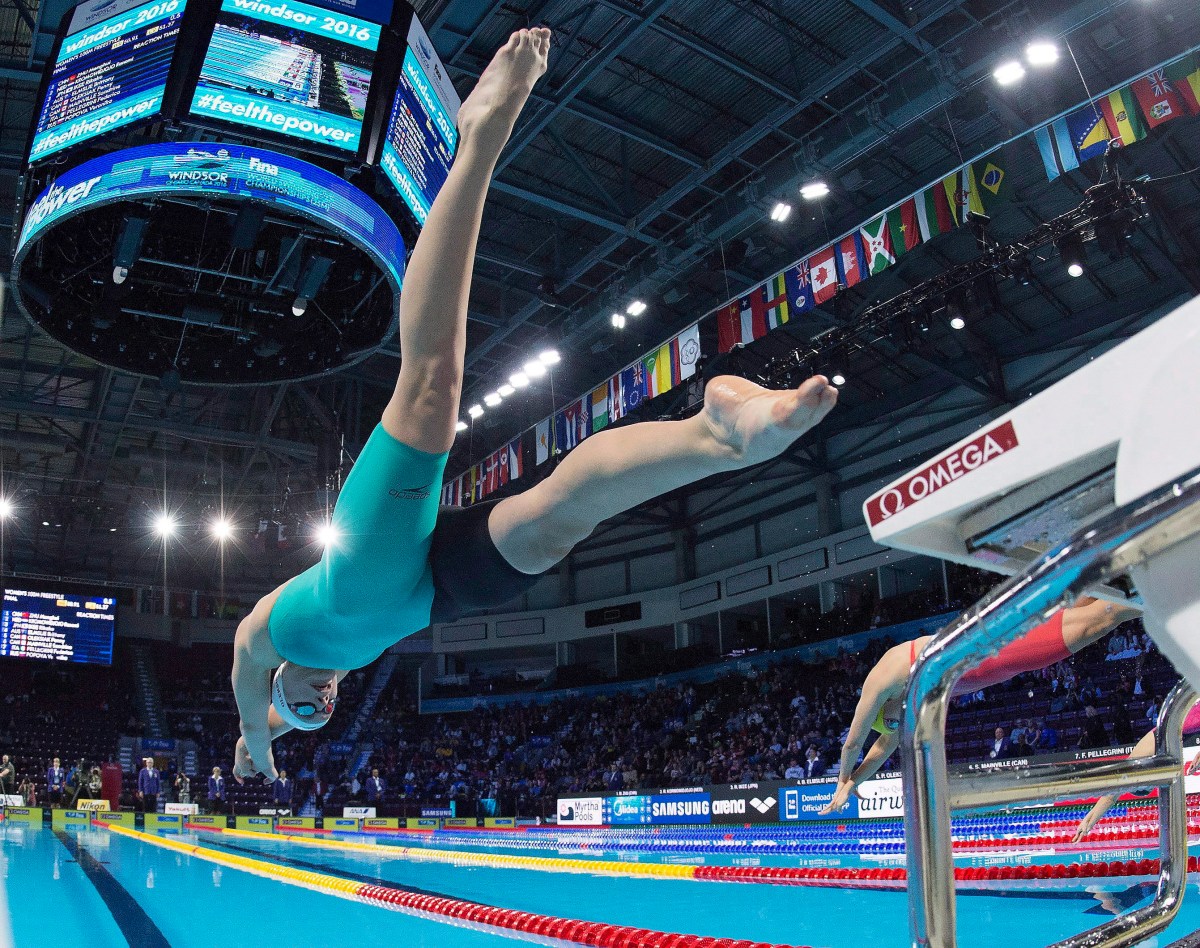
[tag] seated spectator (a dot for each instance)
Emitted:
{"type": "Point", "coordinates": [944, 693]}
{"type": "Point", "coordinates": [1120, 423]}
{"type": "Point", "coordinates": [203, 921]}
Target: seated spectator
{"type": "Point", "coordinates": [1017, 735]}
{"type": "Point", "coordinates": [1094, 735]}
{"type": "Point", "coordinates": [1000, 747]}
{"type": "Point", "coordinates": [814, 766]}
{"type": "Point", "coordinates": [794, 770]}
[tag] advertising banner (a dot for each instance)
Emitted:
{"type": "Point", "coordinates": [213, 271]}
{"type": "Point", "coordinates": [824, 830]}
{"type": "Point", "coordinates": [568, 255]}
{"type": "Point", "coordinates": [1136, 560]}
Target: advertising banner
{"type": "Point", "coordinates": [381, 823]}
{"type": "Point", "coordinates": [157, 821]}
{"type": "Point", "coordinates": [581, 811]}
{"type": "Point", "coordinates": [209, 821]}
{"type": "Point", "coordinates": [345, 824]}
{"type": "Point", "coordinates": [806, 802]}
{"type": "Point", "coordinates": [460, 823]}
{"type": "Point", "coordinates": [437, 812]}
{"type": "Point", "coordinates": [296, 822]}
{"type": "Point", "coordinates": [119, 819]}
{"type": "Point", "coordinates": [745, 803]}
{"type": "Point", "coordinates": [681, 808]}
{"type": "Point", "coordinates": [185, 809]}
{"type": "Point", "coordinates": [500, 822]}
{"type": "Point", "coordinates": [61, 818]}
{"type": "Point", "coordinates": [24, 814]}
{"type": "Point", "coordinates": [255, 824]}
{"type": "Point", "coordinates": [424, 823]}
{"type": "Point", "coordinates": [881, 798]}
{"type": "Point", "coordinates": [94, 805]}
{"type": "Point", "coordinates": [359, 812]}
{"type": "Point", "coordinates": [11, 799]}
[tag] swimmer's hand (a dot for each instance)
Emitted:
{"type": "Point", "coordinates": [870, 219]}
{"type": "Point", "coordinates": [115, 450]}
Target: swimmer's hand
{"type": "Point", "coordinates": [1085, 827]}
{"type": "Point", "coordinates": [254, 758]}
{"type": "Point", "coordinates": [840, 798]}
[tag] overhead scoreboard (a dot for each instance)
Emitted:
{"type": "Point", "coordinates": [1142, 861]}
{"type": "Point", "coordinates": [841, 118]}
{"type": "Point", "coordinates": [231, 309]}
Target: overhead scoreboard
{"type": "Point", "coordinates": [422, 137]}
{"type": "Point", "coordinates": [111, 70]}
{"type": "Point", "coordinates": [57, 625]}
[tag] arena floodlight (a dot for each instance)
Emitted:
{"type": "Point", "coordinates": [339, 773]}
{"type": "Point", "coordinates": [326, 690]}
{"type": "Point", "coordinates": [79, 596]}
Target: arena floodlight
{"type": "Point", "coordinates": [475, 411]}
{"type": "Point", "coordinates": [549, 357]}
{"type": "Point", "coordinates": [618, 321]}
{"type": "Point", "coordinates": [838, 379]}
{"type": "Point", "coordinates": [636, 308]}
{"type": "Point", "coordinates": [165, 525]}
{"type": "Point", "coordinates": [221, 529]}
{"type": "Point", "coordinates": [1009, 73]}
{"type": "Point", "coordinates": [6, 508]}
{"type": "Point", "coordinates": [505, 390]}
{"type": "Point", "coordinates": [781, 212]}
{"type": "Point", "coordinates": [957, 322]}
{"type": "Point", "coordinates": [534, 369]}
{"type": "Point", "coordinates": [814, 190]}
{"type": "Point", "coordinates": [1070, 248]}
{"type": "Point", "coordinates": [518, 380]}
{"type": "Point", "coordinates": [327, 534]}
{"type": "Point", "coordinates": [1041, 53]}
{"type": "Point", "coordinates": [492, 399]}
{"type": "Point", "coordinates": [461, 427]}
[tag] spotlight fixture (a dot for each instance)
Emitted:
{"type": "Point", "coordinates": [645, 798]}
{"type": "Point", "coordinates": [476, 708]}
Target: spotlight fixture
{"type": "Point", "coordinates": [6, 508]}
{"type": "Point", "coordinates": [1114, 232]}
{"type": "Point", "coordinates": [120, 274]}
{"type": "Point", "coordinates": [636, 308]}
{"type": "Point", "coordinates": [221, 529]}
{"type": "Point", "coordinates": [534, 369]}
{"type": "Point", "coordinates": [492, 399]}
{"type": "Point", "coordinates": [1041, 53]}
{"type": "Point", "coordinates": [1022, 271]}
{"type": "Point", "coordinates": [461, 427]}
{"type": "Point", "coordinates": [549, 357]}
{"type": "Point", "coordinates": [326, 534]}
{"type": "Point", "coordinates": [475, 411]}
{"type": "Point", "coordinates": [300, 306]}
{"type": "Point", "coordinates": [781, 212]}
{"type": "Point", "coordinates": [838, 379]}
{"type": "Point", "coordinates": [1070, 248]}
{"type": "Point", "coordinates": [518, 380]}
{"type": "Point", "coordinates": [957, 322]}
{"type": "Point", "coordinates": [618, 321]}
{"type": "Point", "coordinates": [505, 390]}
{"type": "Point", "coordinates": [164, 525]}
{"type": "Point", "coordinates": [1008, 73]}
{"type": "Point", "coordinates": [814, 190]}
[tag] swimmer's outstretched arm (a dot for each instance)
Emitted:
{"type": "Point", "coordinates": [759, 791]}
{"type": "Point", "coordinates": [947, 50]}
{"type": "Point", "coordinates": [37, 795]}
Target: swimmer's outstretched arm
{"type": "Point", "coordinates": [741, 424]}
{"type": "Point", "coordinates": [423, 410]}
{"type": "Point", "coordinates": [1143, 748]}
{"type": "Point", "coordinates": [1090, 619]}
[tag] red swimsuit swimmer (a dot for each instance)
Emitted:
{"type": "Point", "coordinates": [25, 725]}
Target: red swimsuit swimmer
{"type": "Point", "coordinates": [1040, 648]}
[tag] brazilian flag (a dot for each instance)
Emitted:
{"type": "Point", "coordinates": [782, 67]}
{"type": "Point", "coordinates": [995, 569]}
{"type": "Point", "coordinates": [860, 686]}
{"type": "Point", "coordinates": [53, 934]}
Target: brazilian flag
{"type": "Point", "coordinates": [985, 184]}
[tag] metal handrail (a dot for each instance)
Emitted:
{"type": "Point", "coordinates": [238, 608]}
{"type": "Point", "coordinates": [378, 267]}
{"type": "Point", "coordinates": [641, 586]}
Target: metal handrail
{"type": "Point", "coordinates": [1092, 558]}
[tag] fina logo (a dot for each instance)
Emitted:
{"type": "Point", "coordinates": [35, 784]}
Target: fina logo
{"type": "Point", "coordinates": [258, 166]}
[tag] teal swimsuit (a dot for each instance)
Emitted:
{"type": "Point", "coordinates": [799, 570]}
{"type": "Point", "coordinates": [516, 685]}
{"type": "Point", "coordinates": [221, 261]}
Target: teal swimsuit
{"type": "Point", "coordinates": [374, 585]}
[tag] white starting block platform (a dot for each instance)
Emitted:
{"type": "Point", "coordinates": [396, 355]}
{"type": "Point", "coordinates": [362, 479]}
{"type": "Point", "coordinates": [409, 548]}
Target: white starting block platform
{"type": "Point", "coordinates": [1126, 424]}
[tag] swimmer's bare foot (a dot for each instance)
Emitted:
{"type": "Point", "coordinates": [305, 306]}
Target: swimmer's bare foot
{"type": "Point", "coordinates": [755, 424]}
{"type": "Point", "coordinates": [486, 118]}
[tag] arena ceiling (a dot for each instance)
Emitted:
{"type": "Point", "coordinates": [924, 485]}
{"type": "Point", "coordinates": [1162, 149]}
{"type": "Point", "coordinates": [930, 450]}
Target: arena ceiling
{"type": "Point", "coordinates": [646, 166]}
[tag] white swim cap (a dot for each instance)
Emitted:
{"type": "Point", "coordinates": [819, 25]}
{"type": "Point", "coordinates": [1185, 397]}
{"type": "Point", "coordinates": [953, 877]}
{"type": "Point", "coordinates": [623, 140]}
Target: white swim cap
{"type": "Point", "coordinates": [284, 709]}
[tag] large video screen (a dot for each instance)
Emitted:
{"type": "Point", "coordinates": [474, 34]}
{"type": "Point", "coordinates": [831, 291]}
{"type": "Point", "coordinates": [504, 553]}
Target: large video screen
{"type": "Point", "coordinates": [421, 134]}
{"type": "Point", "coordinates": [289, 68]}
{"type": "Point", "coordinates": [110, 72]}
{"type": "Point", "coordinates": [60, 626]}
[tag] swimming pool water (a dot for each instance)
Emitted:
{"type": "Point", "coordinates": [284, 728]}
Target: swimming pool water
{"type": "Point", "coordinates": [93, 887]}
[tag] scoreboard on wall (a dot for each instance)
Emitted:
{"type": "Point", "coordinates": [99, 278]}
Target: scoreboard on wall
{"type": "Point", "coordinates": [57, 625]}
{"type": "Point", "coordinates": [352, 83]}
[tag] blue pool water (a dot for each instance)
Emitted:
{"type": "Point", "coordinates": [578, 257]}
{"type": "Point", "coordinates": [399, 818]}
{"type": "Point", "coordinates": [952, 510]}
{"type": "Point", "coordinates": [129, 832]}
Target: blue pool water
{"type": "Point", "coordinates": [89, 886]}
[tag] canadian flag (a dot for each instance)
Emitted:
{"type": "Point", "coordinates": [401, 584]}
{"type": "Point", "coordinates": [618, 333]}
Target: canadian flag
{"type": "Point", "coordinates": [824, 275]}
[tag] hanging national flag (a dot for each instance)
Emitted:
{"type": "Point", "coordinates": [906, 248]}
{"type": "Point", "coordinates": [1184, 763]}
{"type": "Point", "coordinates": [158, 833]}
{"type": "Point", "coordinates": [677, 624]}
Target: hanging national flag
{"type": "Point", "coordinates": [477, 494]}
{"type": "Point", "coordinates": [1184, 75]}
{"type": "Point", "coordinates": [1159, 101]}
{"type": "Point", "coordinates": [600, 408]}
{"type": "Point", "coordinates": [448, 495]}
{"type": "Point", "coordinates": [851, 261]}
{"type": "Point", "coordinates": [685, 351]}
{"type": "Point", "coordinates": [877, 242]}
{"type": "Point", "coordinates": [987, 184]}
{"type": "Point", "coordinates": [514, 461]}
{"type": "Point", "coordinates": [572, 425]}
{"type": "Point", "coordinates": [905, 230]}
{"type": "Point", "coordinates": [1089, 133]}
{"type": "Point", "coordinates": [658, 371]}
{"type": "Point", "coordinates": [743, 321]}
{"type": "Point", "coordinates": [491, 475]}
{"type": "Point", "coordinates": [616, 404]}
{"type": "Point", "coordinates": [464, 494]}
{"type": "Point", "coordinates": [937, 208]}
{"type": "Point", "coordinates": [633, 387]}
{"type": "Point", "coordinates": [1122, 118]}
{"type": "Point", "coordinates": [824, 275]}
{"type": "Point", "coordinates": [543, 435]}
{"type": "Point", "coordinates": [799, 288]}
{"type": "Point", "coordinates": [776, 301]}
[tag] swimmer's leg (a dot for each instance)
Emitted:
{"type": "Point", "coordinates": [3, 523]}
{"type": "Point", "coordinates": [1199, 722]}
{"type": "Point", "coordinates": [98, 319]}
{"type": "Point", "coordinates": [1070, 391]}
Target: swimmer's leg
{"type": "Point", "coordinates": [741, 425]}
{"type": "Point", "coordinates": [423, 409]}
